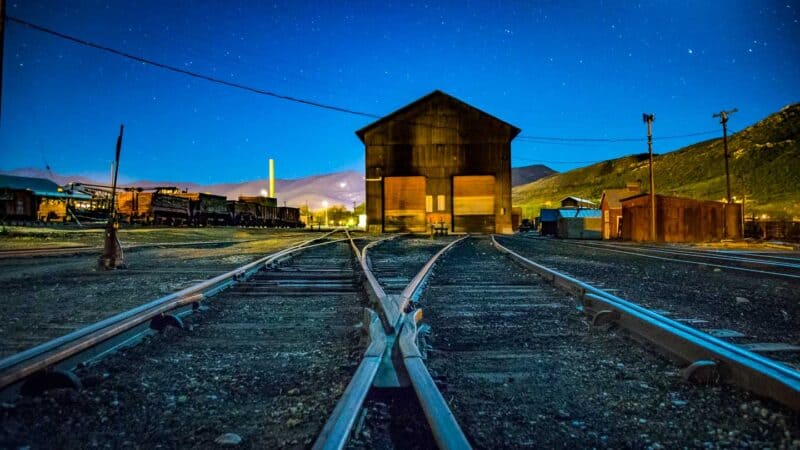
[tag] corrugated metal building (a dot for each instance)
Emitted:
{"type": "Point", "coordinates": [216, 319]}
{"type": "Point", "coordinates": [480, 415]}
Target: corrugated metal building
{"type": "Point", "coordinates": [579, 223]}
{"type": "Point", "coordinates": [437, 161]}
{"type": "Point", "coordinates": [570, 223]}
{"type": "Point", "coordinates": [680, 219]}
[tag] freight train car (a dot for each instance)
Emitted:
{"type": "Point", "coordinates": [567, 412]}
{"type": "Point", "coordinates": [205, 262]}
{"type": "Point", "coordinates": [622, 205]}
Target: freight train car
{"type": "Point", "coordinates": [206, 209]}
{"type": "Point", "coordinates": [160, 207]}
{"type": "Point", "coordinates": [289, 217]}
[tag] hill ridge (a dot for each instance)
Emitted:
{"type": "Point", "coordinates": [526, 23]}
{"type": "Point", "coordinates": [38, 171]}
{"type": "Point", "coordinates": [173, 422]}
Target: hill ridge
{"type": "Point", "coordinates": [764, 167]}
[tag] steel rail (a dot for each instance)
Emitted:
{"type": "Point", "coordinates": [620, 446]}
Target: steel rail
{"type": "Point", "coordinates": [339, 425]}
{"type": "Point", "coordinates": [444, 426]}
{"type": "Point", "coordinates": [695, 254]}
{"type": "Point", "coordinates": [20, 365]}
{"type": "Point", "coordinates": [721, 266]}
{"type": "Point", "coordinates": [389, 306]}
{"type": "Point", "coordinates": [336, 431]}
{"type": "Point", "coordinates": [735, 364]}
{"type": "Point", "coordinates": [411, 290]}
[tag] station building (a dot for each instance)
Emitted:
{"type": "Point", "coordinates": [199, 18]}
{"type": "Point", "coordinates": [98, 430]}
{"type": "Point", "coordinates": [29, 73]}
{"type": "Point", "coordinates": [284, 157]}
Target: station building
{"type": "Point", "coordinates": [438, 163]}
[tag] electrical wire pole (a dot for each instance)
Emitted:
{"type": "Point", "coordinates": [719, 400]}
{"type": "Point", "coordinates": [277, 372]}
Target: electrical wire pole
{"type": "Point", "coordinates": [648, 119]}
{"type": "Point", "coordinates": [723, 119]}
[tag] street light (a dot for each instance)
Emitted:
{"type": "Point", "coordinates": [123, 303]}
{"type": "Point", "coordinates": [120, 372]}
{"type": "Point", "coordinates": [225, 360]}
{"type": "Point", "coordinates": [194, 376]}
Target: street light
{"type": "Point", "coordinates": [264, 194]}
{"type": "Point", "coordinates": [325, 205]}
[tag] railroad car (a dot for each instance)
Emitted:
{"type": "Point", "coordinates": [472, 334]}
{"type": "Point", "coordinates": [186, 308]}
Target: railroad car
{"type": "Point", "coordinates": [289, 217]}
{"type": "Point", "coordinates": [160, 207]}
{"type": "Point", "coordinates": [207, 209]}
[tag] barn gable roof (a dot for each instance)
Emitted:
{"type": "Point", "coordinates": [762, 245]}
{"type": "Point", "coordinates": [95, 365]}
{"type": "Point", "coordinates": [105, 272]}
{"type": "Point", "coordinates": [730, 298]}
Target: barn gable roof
{"type": "Point", "coordinates": [433, 95]}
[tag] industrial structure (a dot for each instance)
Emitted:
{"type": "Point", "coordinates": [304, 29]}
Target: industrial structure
{"type": "Point", "coordinates": [438, 163]}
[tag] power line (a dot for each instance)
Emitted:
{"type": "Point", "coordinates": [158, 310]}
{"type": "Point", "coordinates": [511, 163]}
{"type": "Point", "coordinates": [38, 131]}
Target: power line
{"type": "Point", "coordinates": [533, 139]}
{"type": "Point", "coordinates": [188, 72]}
{"type": "Point", "coordinates": [545, 139]}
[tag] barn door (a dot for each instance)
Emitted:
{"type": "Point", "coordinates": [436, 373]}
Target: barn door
{"type": "Point", "coordinates": [404, 204]}
{"type": "Point", "coordinates": [473, 204]}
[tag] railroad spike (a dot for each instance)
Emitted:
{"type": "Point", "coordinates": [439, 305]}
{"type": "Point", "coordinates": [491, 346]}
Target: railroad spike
{"type": "Point", "coordinates": [605, 317]}
{"type": "Point", "coordinates": [162, 321]}
{"type": "Point", "coordinates": [702, 372]}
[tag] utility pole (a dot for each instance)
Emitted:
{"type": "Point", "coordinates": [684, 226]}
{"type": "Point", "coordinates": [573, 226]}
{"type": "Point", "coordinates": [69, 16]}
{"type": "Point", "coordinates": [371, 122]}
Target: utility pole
{"type": "Point", "coordinates": [648, 119]}
{"type": "Point", "coordinates": [723, 119]}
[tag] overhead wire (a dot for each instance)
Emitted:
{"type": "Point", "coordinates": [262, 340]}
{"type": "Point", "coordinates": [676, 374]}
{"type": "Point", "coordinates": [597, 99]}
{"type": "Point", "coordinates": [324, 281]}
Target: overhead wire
{"type": "Point", "coordinates": [542, 140]}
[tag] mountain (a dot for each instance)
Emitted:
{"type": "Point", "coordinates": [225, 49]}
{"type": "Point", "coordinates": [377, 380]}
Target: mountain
{"type": "Point", "coordinates": [339, 188]}
{"type": "Point", "coordinates": [529, 174]}
{"type": "Point", "coordinates": [764, 168]}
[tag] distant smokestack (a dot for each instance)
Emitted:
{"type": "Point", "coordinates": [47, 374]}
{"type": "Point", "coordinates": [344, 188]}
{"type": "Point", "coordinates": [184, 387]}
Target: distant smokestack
{"type": "Point", "coordinates": [272, 178]}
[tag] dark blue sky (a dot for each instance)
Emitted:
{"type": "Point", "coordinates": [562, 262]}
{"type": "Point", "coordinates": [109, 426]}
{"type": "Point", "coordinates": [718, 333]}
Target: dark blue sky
{"type": "Point", "coordinates": [553, 69]}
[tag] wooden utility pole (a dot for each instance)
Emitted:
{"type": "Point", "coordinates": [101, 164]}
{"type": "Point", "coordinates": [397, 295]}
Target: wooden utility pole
{"type": "Point", "coordinates": [648, 119]}
{"type": "Point", "coordinates": [723, 119]}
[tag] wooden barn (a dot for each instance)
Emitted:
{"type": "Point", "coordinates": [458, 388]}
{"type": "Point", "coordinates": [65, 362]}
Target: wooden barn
{"type": "Point", "coordinates": [438, 162]}
{"type": "Point", "coordinates": [611, 206]}
{"type": "Point", "coordinates": [680, 219]}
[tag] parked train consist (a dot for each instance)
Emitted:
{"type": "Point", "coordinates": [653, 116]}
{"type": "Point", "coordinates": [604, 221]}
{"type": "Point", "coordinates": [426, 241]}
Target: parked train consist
{"type": "Point", "coordinates": [170, 206]}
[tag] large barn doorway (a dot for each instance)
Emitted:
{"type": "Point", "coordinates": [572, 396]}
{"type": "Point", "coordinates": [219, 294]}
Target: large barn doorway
{"type": "Point", "coordinates": [473, 204]}
{"type": "Point", "coordinates": [404, 204]}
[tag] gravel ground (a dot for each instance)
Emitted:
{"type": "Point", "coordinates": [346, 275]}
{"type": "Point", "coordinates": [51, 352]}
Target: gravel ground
{"type": "Point", "coordinates": [397, 261]}
{"type": "Point", "coordinates": [267, 363]}
{"type": "Point", "coordinates": [47, 297]}
{"type": "Point", "coordinates": [26, 238]}
{"type": "Point", "coordinates": [763, 308]}
{"type": "Point", "coordinates": [520, 367]}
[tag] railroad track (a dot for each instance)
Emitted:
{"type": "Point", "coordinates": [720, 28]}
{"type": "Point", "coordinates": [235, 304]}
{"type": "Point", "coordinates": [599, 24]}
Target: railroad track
{"type": "Point", "coordinates": [753, 309]}
{"type": "Point", "coordinates": [509, 351]}
{"type": "Point", "coordinates": [520, 367]}
{"type": "Point", "coordinates": [760, 263]}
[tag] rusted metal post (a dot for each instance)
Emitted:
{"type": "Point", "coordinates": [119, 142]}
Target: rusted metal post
{"type": "Point", "coordinates": [112, 257]}
{"type": "Point", "coordinates": [648, 119]}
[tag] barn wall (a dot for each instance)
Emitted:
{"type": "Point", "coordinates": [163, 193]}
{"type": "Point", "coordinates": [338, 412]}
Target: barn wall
{"type": "Point", "coordinates": [439, 139]}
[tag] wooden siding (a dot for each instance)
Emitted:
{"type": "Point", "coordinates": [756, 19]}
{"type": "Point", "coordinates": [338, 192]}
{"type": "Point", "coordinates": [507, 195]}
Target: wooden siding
{"type": "Point", "coordinates": [438, 138]}
{"type": "Point", "coordinates": [680, 219]}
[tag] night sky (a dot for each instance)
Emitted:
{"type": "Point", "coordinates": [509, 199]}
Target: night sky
{"type": "Point", "coordinates": [557, 70]}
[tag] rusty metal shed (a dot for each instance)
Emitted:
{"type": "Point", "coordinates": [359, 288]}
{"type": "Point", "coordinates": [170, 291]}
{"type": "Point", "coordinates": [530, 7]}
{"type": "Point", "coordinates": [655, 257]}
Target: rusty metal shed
{"type": "Point", "coordinates": [680, 219]}
{"type": "Point", "coordinates": [438, 162]}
